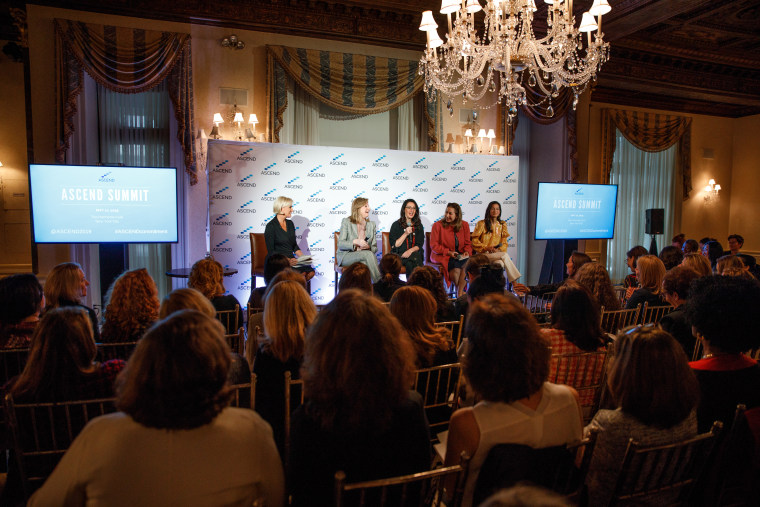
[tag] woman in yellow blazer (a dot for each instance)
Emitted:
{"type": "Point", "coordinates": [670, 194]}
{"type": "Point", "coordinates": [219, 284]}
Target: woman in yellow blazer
{"type": "Point", "coordinates": [490, 238]}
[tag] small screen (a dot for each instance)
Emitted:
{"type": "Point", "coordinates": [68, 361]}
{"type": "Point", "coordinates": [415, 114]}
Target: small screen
{"type": "Point", "coordinates": [575, 211]}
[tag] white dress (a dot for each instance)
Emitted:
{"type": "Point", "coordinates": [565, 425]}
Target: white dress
{"type": "Point", "coordinates": [556, 421]}
{"type": "Point", "coordinates": [117, 462]}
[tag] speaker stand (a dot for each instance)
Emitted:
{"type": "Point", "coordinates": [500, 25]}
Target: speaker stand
{"type": "Point", "coordinates": [653, 246]}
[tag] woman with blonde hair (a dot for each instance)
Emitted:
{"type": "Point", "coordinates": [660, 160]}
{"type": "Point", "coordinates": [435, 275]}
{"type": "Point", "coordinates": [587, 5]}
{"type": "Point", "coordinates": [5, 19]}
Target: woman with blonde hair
{"type": "Point", "coordinates": [207, 276]}
{"type": "Point", "coordinates": [415, 309]}
{"type": "Point", "coordinates": [649, 272]}
{"type": "Point", "coordinates": [450, 246]}
{"type": "Point", "coordinates": [280, 236]}
{"type": "Point", "coordinates": [698, 263]}
{"type": "Point", "coordinates": [356, 239]}
{"type": "Point", "coordinates": [66, 285]}
{"type": "Point", "coordinates": [132, 307]}
{"type": "Point", "coordinates": [595, 278]}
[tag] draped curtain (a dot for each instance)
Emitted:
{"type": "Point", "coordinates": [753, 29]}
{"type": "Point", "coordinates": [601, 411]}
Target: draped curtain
{"type": "Point", "coordinates": [123, 60]}
{"type": "Point", "coordinates": [349, 83]}
{"type": "Point", "coordinates": [648, 132]}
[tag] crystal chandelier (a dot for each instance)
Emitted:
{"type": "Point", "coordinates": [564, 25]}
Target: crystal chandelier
{"type": "Point", "coordinates": [506, 54]}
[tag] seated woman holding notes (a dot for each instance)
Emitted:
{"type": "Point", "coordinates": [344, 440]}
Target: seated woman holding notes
{"type": "Point", "coordinates": [356, 239]}
{"type": "Point", "coordinates": [280, 237]}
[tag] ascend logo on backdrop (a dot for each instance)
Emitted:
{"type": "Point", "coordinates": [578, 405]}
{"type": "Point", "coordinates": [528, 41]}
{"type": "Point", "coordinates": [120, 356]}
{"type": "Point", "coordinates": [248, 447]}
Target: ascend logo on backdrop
{"type": "Point", "coordinates": [379, 162]}
{"type": "Point", "coordinates": [269, 170]}
{"type": "Point", "coordinates": [245, 284]}
{"type": "Point", "coordinates": [223, 170]}
{"type": "Point", "coordinates": [474, 178]}
{"type": "Point", "coordinates": [245, 233]}
{"type": "Point", "coordinates": [107, 178]}
{"type": "Point", "coordinates": [400, 176]}
{"type": "Point", "coordinates": [337, 186]}
{"type": "Point", "coordinates": [437, 199]}
{"type": "Point", "coordinates": [266, 221]}
{"type": "Point", "coordinates": [316, 247]}
{"type": "Point", "coordinates": [314, 197]}
{"type": "Point", "coordinates": [456, 189]}
{"type": "Point", "coordinates": [437, 176]}
{"type": "Point", "coordinates": [220, 194]}
{"type": "Point", "coordinates": [510, 221]}
{"type": "Point", "coordinates": [474, 199]}
{"type": "Point", "coordinates": [268, 196]}
{"type": "Point", "coordinates": [419, 187]}
{"type": "Point", "coordinates": [245, 209]}
{"type": "Point", "coordinates": [398, 199]}
{"type": "Point", "coordinates": [246, 259]}
{"type": "Point", "coordinates": [457, 166]}
{"type": "Point", "coordinates": [292, 183]}
{"type": "Point", "coordinates": [492, 189]}
{"type": "Point", "coordinates": [221, 248]}
{"type": "Point", "coordinates": [290, 159]}
{"type": "Point", "coordinates": [315, 222]}
{"type": "Point", "coordinates": [419, 164]}
{"type": "Point", "coordinates": [378, 187]}
{"type": "Point", "coordinates": [245, 157]}
{"type": "Point", "coordinates": [380, 211]}
{"type": "Point", "coordinates": [245, 183]}
{"type": "Point", "coordinates": [509, 199]}
{"type": "Point", "coordinates": [356, 174]}
{"type": "Point", "coordinates": [492, 167]}
{"type": "Point", "coordinates": [509, 179]}
{"type": "Point", "coordinates": [314, 173]}
{"type": "Point", "coordinates": [222, 220]}
{"type": "Point", "coordinates": [337, 161]}
{"type": "Point", "coordinates": [336, 211]}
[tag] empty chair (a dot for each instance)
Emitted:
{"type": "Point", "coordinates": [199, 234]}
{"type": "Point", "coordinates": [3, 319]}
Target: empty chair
{"type": "Point", "coordinates": [258, 255]}
{"type": "Point", "coordinates": [293, 395]}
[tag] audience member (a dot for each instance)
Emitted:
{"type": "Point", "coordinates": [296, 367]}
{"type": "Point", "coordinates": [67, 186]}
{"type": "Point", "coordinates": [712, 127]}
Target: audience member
{"type": "Point", "coordinates": [132, 307]}
{"type": "Point", "coordinates": [595, 278]}
{"type": "Point", "coordinates": [21, 301]}
{"type": "Point", "coordinates": [273, 264]}
{"type": "Point", "coordinates": [356, 276]}
{"type": "Point", "coordinates": [690, 246]}
{"type": "Point", "coordinates": [678, 241]}
{"type": "Point", "coordinates": [735, 242]}
{"type": "Point", "coordinates": [287, 313]}
{"type": "Point", "coordinates": [490, 281]}
{"type": "Point", "coordinates": [574, 263]}
{"type": "Point", "coordinates": [431, 279]}
{"type": "Point", "coordinates": [704, 241]}
{"type": "Point", "coordinates": [712, 250]}
{"type": "Point", "coordinates": [390, 267]}
{"type": "Point", "coordinates": [207, 275]}
{"type": "Point", "coordinates": [472, 272]}
{"type": "Point", "coordinates": [656, 395]}
{"type": "Point", "coordinates": [66, 285]}
{"type": "Point", "coordinates": [415, 309]}
{"type": "Point", "coordinates": [731, 265]}
{"type": "Point", "coordinates": [649, 272]}
{"type": "Point", "coordinates": [256, 326]}
{"type": "Point", "coordinates": [631, 283]}
{"type": "Point", "coordinates": [676, 289]}
{"type": "Point", "coordinates": [724, 314]}
{"type": "Point", "coordinates": [750, 264]}
{"type": "Point", "coordinates": [671, 256]}
{"type": "Point", "coordinates": [698, 263]}
{"type": "Point", "coordinates": [506, 364]}
{"type": "Point", "coordinates": [176, 441]}
{"type": "Point", "coordinates": [359, 416]}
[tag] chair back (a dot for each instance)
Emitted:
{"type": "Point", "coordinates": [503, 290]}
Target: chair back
{"type": "Point", "coordinates": [12, 362]}
{"type": "Point", "coordinates": [454, 328]}
{"type": "Point", "coordinates": [553, 468]}
{"type": "Point", "coordinates": [258, 255]}
{"type": "Point", "coordinates": [544, 319]}
{"type": "Point", "coordinates": [654, 313]}
{"type": "Point", "coordinates": [386, 242]}
{"type": "Point", "coordinates": [253, 311]}
{"type": "Point", "coordinates": [424, 488]}
{"type": "Point", "coordinates": [428, 250]}
{"type": "Point", "coordinates": [338, 269]}
{"type": "Point", "coordinates": [737, 466]}
{"type": "Point", "coordinates": [244, 395]}
{"type": "Point", "coordinates": [438, 386]}
{"type": "Point", "coordinates": [42, 432]}
{"type": "Point", "coordinates": [236, 340]}
{"type": "Point", "coordinates": [586, 373]}
{"type": "Point", "coordinates": [293, 398]}
{"type": "Point", "coordinates": [539, 304]}
{"type": "Point", "coordinates": [663, 473]}
{"type": "Point", "coordinates": [229, 319]}
{"type": "Point", "coordinates": [108, 351]}
{"type": "Point", "coordinates": [615, 320]}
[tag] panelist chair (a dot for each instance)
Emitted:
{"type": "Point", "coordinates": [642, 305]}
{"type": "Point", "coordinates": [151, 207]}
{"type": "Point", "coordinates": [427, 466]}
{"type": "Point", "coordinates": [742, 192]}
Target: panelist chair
{"type": "Point", "coordinates": [338, 269]}
{"type": "Point", "coordinates": [387, 248]}
{"type": "Point", "coordinates": [258, 255]}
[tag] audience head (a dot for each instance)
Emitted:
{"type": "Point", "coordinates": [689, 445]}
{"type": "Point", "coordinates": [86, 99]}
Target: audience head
{"type": "Point", "coordinates": [676, 284]}
{"type": "Point", "coordinates": [390, 267]}
{"type": "Point", "coordinates": [690, 246]}
{"type": "Point", "coordinates": [186, 299]}
{"type": "Point", "coordinates": [415, 309]}
{"type": "Point", "coordinates": [132, 305]}
{"type": "Point", "coordinates": [177, 376]}
{"type": "Point", "coordinates": [356, 209]}
{"type": "Point", "coordinates": [356, 276]}
{"type": "Point", "coordinates": [21, 297]}
{"type": "Point", "coordinates": [62, 347]}
{"type": "Point", "coordinates": [671, 256]}
{"type": "Point", "coordinates": [206, 275]}
{"type": "Point", "coordinates": [649, 272]}
{"type": "Point", "coordinates": [723, 310]}
{"type": "Point", "coordinates": [678, 240]}
{"type": "Point", "coordinates": [273, 264]}
{"type": "Point", "coordinates": [650, 378]}
{"type": "Point", "coordinates": [524, 494]}
{"type": "Point", "coordinates": [594, 277]}
{"type": "Point", "coordinates": [431, 279]}
{"type": "Point", "coordinates": [735, 242]}
{"type": "Point", "coordinates": [403, 219]}
{"type": "Point", "coordinates": [576, 313]}
{"type": "Point", "coordinates": [698, 263]}
{"type": "Point", "coordinates": [474, 264]}
{"type": "Point", "coordinates": [507, 358]}
{"type": "Point", "coordinates": [287, 274]}
{"type": "Point", "coordinates": [713, 251]}
{"type": "Point", "coordinates": [704, 241]}
{"type": "Point", "coordinates": [633, 255]}
{"type": "Point", "coordinates": [490, 281]}
{"type": "Point", "coordinates": [288, 311]}
{"type": "Point", "coordinates": [281, 202]}
{"type": "Point", "coordinates": [66, 283]}
{"type": "Point", "coordinates": [452, 217]}
{"type": "Point", "coordinates": [355, 380]}
{"type": "Point", "coordinates": [575, 262]}
{"type": "Point", "coordinates": [729, 265]}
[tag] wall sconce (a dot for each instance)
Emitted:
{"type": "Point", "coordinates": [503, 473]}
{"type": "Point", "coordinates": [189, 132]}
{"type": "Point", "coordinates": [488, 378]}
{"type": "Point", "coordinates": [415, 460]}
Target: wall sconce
{"type": "Point", "coordinates": [712, 192]}
{"type": "Point", "coordinates": [252, 120]}
{"type": "Point", "coordinates": [449, 143]}
{"type": "Point", "coordinates": [232, 42]}
{"type": "Point", "coordinates": [217, 120]}
{"type": "Point", "coordinates": [468, 135]}
{"type": "Point", "coordinates": [491, 136]}
{"type": "Point", "coordinates": [482, 135]}
{"type": "Point", "coordinates": [238, 118]}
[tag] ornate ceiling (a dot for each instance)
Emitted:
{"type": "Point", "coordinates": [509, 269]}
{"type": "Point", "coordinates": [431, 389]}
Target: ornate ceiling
{"type": "Point", "coordinates": [695, 56]}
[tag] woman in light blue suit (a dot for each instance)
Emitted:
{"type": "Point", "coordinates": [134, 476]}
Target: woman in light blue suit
{"type": "Point", "coordinates": [356, 239]}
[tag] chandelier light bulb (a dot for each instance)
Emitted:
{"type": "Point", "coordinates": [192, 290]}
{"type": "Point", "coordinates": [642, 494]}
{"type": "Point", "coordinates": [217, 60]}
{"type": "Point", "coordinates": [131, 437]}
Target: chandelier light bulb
{"type": "Point", "coordinates": [711, 182]}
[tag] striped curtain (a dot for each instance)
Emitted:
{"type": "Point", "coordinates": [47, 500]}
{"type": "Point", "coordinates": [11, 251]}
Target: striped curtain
{"type": "Point", "coordinates": [357, 84]}
{"type": "Point", "coordinates": [648, 132]}
{"type": "Point", "coordinates": [123, 60]}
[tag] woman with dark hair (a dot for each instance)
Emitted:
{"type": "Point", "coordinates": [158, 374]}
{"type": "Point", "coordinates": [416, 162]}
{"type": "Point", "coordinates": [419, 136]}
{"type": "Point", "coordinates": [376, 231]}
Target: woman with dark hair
{"type": "Point", "coordinates": [132, 307]}
{"type": "Point", "coordinates": [21, 301]}
{"type": "Point", "coordinates": [690, 246]}
{"type": "Point", "coordinates": [631, 283]}
{"type": "Point", "coordinates": [356, 239]}
{"type": "Point", "coordinates": [430, 278]}
{"type": "Point", "coordinates": [724, 314]}
{"type": "Point", "coordinates": [656, 395]}
{"type": "Point", "coordinates": [356, 276]}
{"type": "Point", "coordinates": [288, 312]}
{"type": "Point", "coordinates": [678, 241]}
{"type": "Point", "coordinates": [595, 278]}
{"type": "Point", "coordinates": [176, 441]}
{"type": "Point", "coordinates": [407, 236]}
{"type": "Point", "coordinates": [415, 308]}
{"type": "Point", "coordinates": [390, 267]}
{"type": "Point", "coordinates": [280, 236]}
{"type": "Point", "coordinates": [490, 238]}
{"type": "Point", "coordinates": [506, 363]}
{"type": "Point", "coordinates": [273, 264]}
{"type": "Point", "coordinates": [450, 246]}
{"type": "Point", "coordinates": [713, 250]}
{"type": "Point", "coordinates": [66, 285]}
{"type": "Point", "coordinates": [649, 273]}
{"type": "Point", "coordinates": [359, 416]}
{"type": "Point", "coordinates": [207, 276]}
{"type": "Point", "coordinates": [671, 256]}
{"type": "Point", "coordinates": [675, 290]}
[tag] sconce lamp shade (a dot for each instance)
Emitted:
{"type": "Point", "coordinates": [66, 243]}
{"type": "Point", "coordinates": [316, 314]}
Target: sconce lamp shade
{"type": "Point", "coordinates": [473, 6]}
{"type": "Point", "coordinates": [218, 118]}
{"type": "Point", "coordinates": [711, 182]}
{"type": "Point", "coordinates": [468, 133]}
{"type": "Point", "coordinates": [482, 133]}
{"type": "Point", "coordinates": [491, 134]}
{"type": "Point", "coordinates": [238, 118]}
{"type": "Point", "coordinates": [459, 139]}
{"type": "Point", "coordinates": [252, 119]}
{"type": "Point", "coordinates": [449, 137]}
{"type": "Point", "coordinates": [201, 134]}
{"type": "Point", "coordinates": [717, 187]}
{"type": "Point", "coordinates": [215, 132]}
{"type": "Point", "coordinates": [501, 150]}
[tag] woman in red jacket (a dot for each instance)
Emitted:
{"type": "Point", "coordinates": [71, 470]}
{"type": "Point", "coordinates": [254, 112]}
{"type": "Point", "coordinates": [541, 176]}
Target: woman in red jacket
{"type": "Point", "coordinates": [450, 246]}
